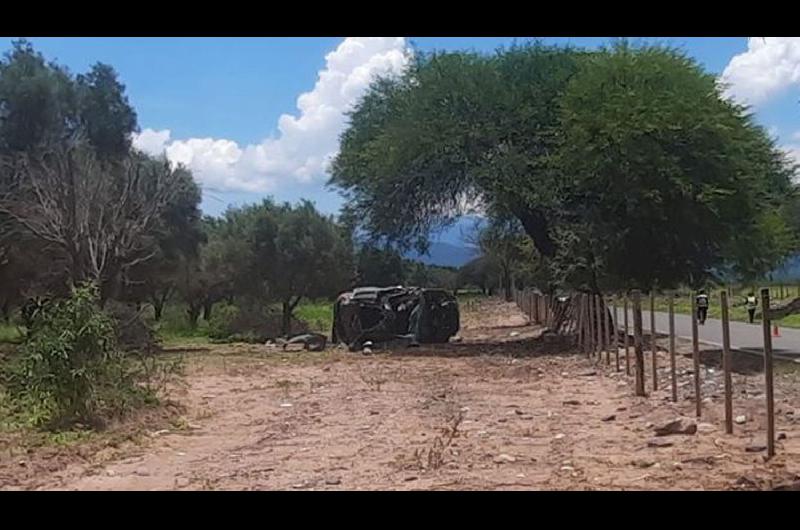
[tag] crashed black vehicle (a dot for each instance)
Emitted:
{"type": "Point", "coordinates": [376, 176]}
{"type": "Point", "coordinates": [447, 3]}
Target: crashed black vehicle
{"type": "Point", "coordinates": [386, 314]}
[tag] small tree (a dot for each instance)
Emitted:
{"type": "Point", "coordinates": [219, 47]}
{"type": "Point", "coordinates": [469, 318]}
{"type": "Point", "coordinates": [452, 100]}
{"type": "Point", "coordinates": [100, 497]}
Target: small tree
{"type": "Point", "coordinates": [311, 258]}
{"type": "Point", "coordinates": [502, 244]}
{"type": "Point", "coordinates": [71, 369]}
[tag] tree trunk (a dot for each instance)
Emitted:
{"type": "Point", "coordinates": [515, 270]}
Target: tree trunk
{"type": "Point", "coordinates": [207, 306]}
{"type": "Point", "coordinates": [158, 309]}
{"type": "Point", "coordinates": [193, 312]}
{"type": "Point", "coordinates": [535, 224]}
{"type": "Point", "coordinates": [507, 287]}
{"type": "Point", "coordinates": [286, 324]}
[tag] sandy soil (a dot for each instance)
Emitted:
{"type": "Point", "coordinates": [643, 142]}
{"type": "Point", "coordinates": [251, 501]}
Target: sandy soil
{"type": "Point", "coordinates": [503, 409]}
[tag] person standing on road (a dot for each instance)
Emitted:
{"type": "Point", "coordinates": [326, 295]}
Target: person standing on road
{"type": "Point", "coordinates": [751, 303]}
{"type": "Point", "coordinates": [702, 306]}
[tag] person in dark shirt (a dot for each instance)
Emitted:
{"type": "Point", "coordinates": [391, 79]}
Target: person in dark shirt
{"type": "Point", "coordinates": [702, 306]}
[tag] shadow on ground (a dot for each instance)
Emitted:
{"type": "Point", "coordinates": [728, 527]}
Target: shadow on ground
{"type": "Point", "coordinates": [741, 362]}
{"type": "Point", "coordinates": [520, 348]}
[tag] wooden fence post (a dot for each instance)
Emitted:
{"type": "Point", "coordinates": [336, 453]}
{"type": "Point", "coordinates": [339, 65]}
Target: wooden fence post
{"type": "Point", "coordinates": [578, 319]}
{"type": "Point", "coordinates": [637, 342]}
{"type": "Point", "coordinates": [726, 361]}
{"type": "Point", "coordinates": [696, 358]}
{"type": "Point", "coordinates": [768, 378]}
{"type": "Point", "coordinates": [546, 310]}
{"type": "Point", "coordinates": [539, 316]}
{"type": "Point", "coordinates": [672, 347]}
{"type": "Point", "coordinates": [530, 307]}
{"type": "Point", "coordinates": [585, 323]}
{"type": "Point", "coordinates": [591, 326]}
{"type": "Point", "coordinates": [653, 345]}
{"type": "Point", "coordinates": [598, 300]}
{"type": "Point", "coordinates": [627, 337]}
{"type": "Point", "coordinates": [616, 333]}
{"type": "Point", "coordinates": [582, 315]}
{"type": "Point", "coordinates": [609, 323]}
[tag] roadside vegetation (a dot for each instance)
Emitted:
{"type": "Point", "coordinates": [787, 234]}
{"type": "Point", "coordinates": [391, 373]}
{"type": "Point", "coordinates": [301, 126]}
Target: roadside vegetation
{"type": "Point", "coordinates": [779, 295]}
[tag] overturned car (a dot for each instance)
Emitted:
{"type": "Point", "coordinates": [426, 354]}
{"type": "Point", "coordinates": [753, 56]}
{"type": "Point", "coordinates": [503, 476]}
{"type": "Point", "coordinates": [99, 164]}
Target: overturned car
{"type": "Point", "coordinates": [384, 314]}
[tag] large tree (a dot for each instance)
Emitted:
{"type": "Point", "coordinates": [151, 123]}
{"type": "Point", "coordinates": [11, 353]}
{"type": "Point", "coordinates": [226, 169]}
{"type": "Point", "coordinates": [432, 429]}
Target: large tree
{"type": "Point", "coordinates": [38, 100]}
{"type": "Point", "coordinates": [668, 181]}
{"type": "Point", "coordinates": [598, 155]}
{"type": "Point", "coordinates": [179, 235]}
{"type": "Point", "coordinates": [101, 216]}
{"type": "Point", "coordinates": [42, 104]}
{"type": "Point", "coordinates": [62, 139]}
{"type": "Point", "coordinates": [458, 130]}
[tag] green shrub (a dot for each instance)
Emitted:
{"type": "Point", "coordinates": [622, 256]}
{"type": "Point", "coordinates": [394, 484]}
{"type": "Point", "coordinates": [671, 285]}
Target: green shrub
{"type": "Point", "coordinates": [318, 314]}
{"type": "Point", "coordinates": [70, 369]}
{"type": "Point", "coordinates": [174, 323]}
{"type": "Point", "coordinates": [251, 324]}
{"type": "Point", "coordinates": [224, 315]}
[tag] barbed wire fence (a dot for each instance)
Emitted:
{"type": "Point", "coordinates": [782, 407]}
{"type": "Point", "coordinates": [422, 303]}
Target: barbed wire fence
{"type": "Point", "coordinates": [592, 321]}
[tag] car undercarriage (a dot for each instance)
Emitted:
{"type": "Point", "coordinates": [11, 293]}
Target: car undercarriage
{"type": "Point", "coordinates": [386, 314]}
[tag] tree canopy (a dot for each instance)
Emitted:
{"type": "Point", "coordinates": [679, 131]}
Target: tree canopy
{"type": "Point", "coordinates": [76, 201]}
{"type": "Point", "coordinates": [597, 155]}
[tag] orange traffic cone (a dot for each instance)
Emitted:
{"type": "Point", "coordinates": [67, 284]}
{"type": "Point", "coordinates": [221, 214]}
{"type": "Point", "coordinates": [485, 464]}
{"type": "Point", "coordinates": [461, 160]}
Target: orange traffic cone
{"type": "Point", "coordinates": [775, 331]}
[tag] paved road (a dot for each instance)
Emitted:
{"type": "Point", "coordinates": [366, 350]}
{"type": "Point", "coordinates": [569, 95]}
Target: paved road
{"type": "Point", "coordinates": [745, 337]}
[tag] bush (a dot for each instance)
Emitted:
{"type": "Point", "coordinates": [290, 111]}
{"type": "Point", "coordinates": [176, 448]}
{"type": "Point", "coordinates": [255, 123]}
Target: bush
{"type": "Point", "coordinates": [249, 324]}
{"type": "Point", "coordinates": [71, 369]}
{"type": "Point", "coordinates": [220, 325]}
{"type": "Point", "coordinates": [132, 332]}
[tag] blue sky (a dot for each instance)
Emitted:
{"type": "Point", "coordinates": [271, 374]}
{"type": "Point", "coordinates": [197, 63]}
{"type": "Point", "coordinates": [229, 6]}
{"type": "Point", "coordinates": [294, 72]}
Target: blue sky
{"type": "Point", "coordinates": [229, 108]}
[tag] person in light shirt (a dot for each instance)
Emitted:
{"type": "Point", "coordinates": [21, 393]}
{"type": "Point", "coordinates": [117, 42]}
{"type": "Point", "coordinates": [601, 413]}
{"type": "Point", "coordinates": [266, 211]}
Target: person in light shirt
{"type": "Point", "coordinates": [751, 302]}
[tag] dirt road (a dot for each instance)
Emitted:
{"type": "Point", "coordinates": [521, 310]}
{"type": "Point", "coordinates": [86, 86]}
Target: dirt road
{"type": "Point", "coordinates": [500, 410]}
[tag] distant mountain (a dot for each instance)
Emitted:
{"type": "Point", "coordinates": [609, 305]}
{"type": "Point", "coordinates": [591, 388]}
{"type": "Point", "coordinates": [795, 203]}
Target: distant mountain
{"type": "Point", "coordinates": [445, 255]}
{"type": "Point", "coordinates": [461, 232]}
{"type": "Point", "coordinates": [452, 246]}
{"type": "Point", "coordinates": [789, 271]}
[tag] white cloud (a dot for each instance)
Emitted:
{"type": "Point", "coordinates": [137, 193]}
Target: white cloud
{"type": "Point", "coordinates": [151, 142]}
{"type": "Point", "coordinates": [306, 142]}
{"type": "Point", "coordinates": [769, 66]}
{"type": "Point", "coordinates": [794, 152]}
{"type": "Point", "coordinates": [793, 149]}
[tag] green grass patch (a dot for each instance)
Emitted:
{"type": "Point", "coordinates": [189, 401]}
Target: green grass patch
{"type": "Point", "coordinates": [174, 325]}
{"type": "Point", "coordinates": [174, 329]}
{"type": "Point", "coordinates": [11, 333]}
{"type": "Point", "coordinates": [318, 314]}
{"type": "Point", "coordinates": [467, 296]}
